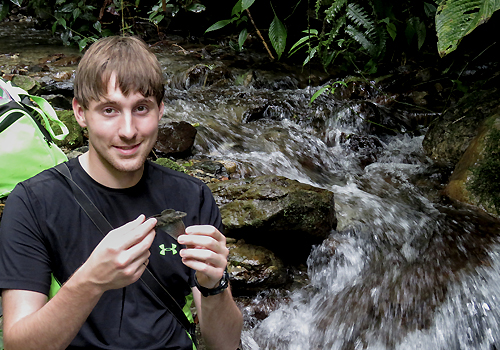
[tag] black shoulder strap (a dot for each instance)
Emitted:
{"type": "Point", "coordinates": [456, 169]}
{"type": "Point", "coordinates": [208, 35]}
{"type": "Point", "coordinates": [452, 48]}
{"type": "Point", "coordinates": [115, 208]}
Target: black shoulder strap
{"type": "Point", "coordinates": [156, 288]}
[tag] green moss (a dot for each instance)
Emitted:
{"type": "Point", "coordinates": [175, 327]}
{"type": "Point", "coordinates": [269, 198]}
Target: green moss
{"type": "Point", "coordinates": [75, 136]}
{"type": "Point", "coordinates": [485, 180]}
{"type": "Point", "coordinates": [170, 164]}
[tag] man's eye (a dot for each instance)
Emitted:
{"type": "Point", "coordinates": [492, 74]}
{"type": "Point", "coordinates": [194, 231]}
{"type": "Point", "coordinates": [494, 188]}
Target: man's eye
{"type": "Point", "coordinates": [142, 109]}
{"type": "Point", "coordinates": [108, 110]}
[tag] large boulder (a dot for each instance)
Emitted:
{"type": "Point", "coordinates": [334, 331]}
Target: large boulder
{"type": "Point", "coordinates": [449, 137]}
{"type": "Point", "coordinates": [283, 215]}
{"type": "Point", "coordinates": [476, 178]}
{"type": "Point", "coordinates": [176, 139]}
{"type": "Point", "coordinates": [466, 140]}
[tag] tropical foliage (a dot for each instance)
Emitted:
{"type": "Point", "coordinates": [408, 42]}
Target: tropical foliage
{"type": "Point", "coordinates": [84, 21]}
{"type": "Point", "coordinates": [341, 31]}
{"type": "Point", "coordinates": [351, 29]}
{"type": "Point", "coordinates": [277, 30]}
{"type": "Point", "coordinates": [457, 18]}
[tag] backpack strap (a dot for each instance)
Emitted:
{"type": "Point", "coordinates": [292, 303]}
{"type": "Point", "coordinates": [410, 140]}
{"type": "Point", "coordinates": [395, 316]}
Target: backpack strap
{"type": "Point", "coordinates": [44, 109]}
{"type": "Point", "coordinates": [151, 282]}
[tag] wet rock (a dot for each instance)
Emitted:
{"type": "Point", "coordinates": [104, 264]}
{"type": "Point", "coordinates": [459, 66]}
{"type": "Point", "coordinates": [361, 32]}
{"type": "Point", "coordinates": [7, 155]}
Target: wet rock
{"type": "Point", "coordinates": [176, 139]}
{"type": "Point", "coordinates": [380, 120]}
{"type": "Point", "coordinates": [275, 110]}
{"type": "Point", "coordinates": [77, 152]}
{"type": "Point", "coordinates": [367, 147]}
{"type": "Point", "coordinates": [476, 177]}
{"type": "Point", "coordinates": [283, 215]}
{"type": "Point", "coordinates": [207, 168]}
{"type": "Point", "coordinates": [60, 59]}
{"type": "Point", "coordinates": [200, 75]}
{"type": "Point", "coordinates": [450, 135]}
{"type": "Point", "coordinates": [257, 308]}
{"type": "Point", "coordinates": [26, 82]}
{"type": "Point", "coordinates": [67, 61]}
{"type": "Point", "coordinates": [61, 76]}
{"type": "Point", "coordinates": [58, 101]}
{"type": "Point", "coordinates": [253, 268]}
{"type": "Point", "coordinates": [50, 58]}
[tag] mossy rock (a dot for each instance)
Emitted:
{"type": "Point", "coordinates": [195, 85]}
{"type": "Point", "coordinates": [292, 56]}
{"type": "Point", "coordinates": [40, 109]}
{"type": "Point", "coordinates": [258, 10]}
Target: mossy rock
{"type": "Point", "coordinates": [269, 210]}
{"type": "Point", "coordinates": [168, 163]}
{"type": "Point", "coordinates": [75, 137]}
{"type": "Point", "coordinates": [476, 178]}
{"type": "Point", "coordinates": [26, 83]}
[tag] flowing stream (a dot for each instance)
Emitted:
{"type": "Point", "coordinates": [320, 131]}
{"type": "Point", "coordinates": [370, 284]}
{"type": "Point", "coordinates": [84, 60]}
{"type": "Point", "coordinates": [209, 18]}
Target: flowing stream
{"type": "Point", "coordinates": [403, 270]}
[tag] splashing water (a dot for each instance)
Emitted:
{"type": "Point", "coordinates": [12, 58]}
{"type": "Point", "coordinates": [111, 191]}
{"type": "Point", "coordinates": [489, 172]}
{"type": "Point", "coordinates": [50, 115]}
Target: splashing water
{"type": "Point", "coordinates": [401, 271]}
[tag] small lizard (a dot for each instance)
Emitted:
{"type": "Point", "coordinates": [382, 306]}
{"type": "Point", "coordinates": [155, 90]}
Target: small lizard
{"type": "Point", "coordinates": [170, 221]}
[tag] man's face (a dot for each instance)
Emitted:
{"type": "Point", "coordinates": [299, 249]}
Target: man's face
{"type": "Point", "coordinates": [122, 130]}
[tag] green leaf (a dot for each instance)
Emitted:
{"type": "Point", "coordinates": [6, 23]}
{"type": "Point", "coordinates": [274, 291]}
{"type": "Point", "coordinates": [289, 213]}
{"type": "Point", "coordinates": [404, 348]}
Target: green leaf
{"type": "Point", "coordinates": [4, 11]}
{"type": "Point", "coordinates": [298, 45]}
{"type": "Point", "coordinates": [54, 27]}
{"type": "Point", "coordinates": [246, 4]}
{"type": "Point", "coordinates": [97, 26]}
{"type": "Point", "coordinates": [458, 18]}
{"type": "Point", "coordinates": [460, 86]}
{"type": "Point", "coordinates": [318, 93]}
{"type": "Point", "coordinates": [76, 13]}
{"type": "Point", "coordinates": [62, 22]}
{"type": "Point", "coordinates": [390, 27]}
{"type": "Point", "coordinates": [219, 25]}
{"type": "Point", "coordinates": [277, 35]}
{"type": "Point", "coordinates": [416, 27]}
{"type": "Point", "coordinates": [311, 31]}
{"type": "Point", "coordinates": [310, 56]}
{"type": "Point", "coordinates": [242, 38]}
{"type": "Point", "coordinates": [68, 7]}
{"type": "Point", "coordinates": [196, 8]}
{"type": "Point", "coordinates": [82, 44]}
{"type": "Point", "coordinates": [236, 11]}
{"type": "Point", "coordinates": [430, 9]}
{"type": "Point", "coordinates": [156, 19]}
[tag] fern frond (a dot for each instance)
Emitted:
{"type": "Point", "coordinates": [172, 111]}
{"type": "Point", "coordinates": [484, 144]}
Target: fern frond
{"type": "Point", "coordinates": [328, 38]}
{"type": "Point", "coordinates": [317, 7]}
{"type": "Point", "coordinates": [362, 39]}
{"type": "Point", "coordinates": [359, 16]}
{"type": "Point", "coordinates": [335, 8]}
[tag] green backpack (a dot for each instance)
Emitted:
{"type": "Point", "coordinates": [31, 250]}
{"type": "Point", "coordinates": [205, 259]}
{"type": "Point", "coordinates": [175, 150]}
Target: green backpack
{"type": "Point", "coordinates": [26, 137]}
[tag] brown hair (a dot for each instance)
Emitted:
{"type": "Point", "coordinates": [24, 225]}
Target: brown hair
{"type": "Point", "coordinates": [137, 70]}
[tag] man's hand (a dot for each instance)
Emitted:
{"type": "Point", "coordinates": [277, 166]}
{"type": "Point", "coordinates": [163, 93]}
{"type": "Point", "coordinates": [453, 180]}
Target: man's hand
{"type": "Point", "coordinates": [121, 257]}
{"type": "Point", "coordinates": [205, 252]}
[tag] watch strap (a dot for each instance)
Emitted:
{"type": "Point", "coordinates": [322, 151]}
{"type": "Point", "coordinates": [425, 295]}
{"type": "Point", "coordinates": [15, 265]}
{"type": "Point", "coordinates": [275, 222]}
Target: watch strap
{"type": "Point", "coordinates": [223, 284]}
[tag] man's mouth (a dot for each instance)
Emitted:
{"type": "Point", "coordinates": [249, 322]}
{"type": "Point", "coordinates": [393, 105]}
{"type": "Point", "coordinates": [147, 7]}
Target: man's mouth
{"type": "Point", "coordinates": [128, 150]}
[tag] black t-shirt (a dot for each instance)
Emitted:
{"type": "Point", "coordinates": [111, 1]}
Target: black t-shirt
{"type": "Point", "coordinates": [44, 231]}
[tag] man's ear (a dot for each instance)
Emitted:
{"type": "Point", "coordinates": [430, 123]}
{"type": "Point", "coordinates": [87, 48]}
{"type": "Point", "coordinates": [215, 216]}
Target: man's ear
{"type": "Point", "coordinates": [162, 107]}
{"type": "Point", "coordinates": [79, 113]}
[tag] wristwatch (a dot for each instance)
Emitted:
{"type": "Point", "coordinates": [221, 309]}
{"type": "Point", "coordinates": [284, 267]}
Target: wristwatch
{"type": "Point", "coordinates": [223, 284]}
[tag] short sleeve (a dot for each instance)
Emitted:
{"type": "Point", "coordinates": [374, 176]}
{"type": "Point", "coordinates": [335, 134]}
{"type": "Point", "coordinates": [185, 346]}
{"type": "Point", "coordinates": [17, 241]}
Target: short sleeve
{"type": "Point", "coordinates": [24, 260]}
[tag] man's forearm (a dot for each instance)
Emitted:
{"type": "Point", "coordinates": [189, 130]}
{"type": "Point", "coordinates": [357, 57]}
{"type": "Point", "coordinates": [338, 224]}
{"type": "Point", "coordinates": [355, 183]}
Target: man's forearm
{"type": "Point", "coordinates": [55, 324]}
{"type": "Point", "coordinates": [221, 321]}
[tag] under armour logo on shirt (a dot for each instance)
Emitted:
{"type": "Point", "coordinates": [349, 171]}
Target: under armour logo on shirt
{"type": "Point", "coordinates": [164, 250]}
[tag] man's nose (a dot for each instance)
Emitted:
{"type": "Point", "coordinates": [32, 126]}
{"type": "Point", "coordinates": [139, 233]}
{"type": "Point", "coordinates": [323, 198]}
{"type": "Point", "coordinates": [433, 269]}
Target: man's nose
{"type": "Point", "coordinates": [127, 128]}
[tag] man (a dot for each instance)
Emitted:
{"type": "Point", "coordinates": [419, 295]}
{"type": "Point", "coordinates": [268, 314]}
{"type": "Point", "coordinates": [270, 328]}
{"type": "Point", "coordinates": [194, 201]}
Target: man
{"type": "Point", "coordinates": [44, 232]}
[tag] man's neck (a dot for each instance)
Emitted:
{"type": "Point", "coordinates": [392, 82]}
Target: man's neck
{"type": "Point", "coordinates": [107, 175]}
